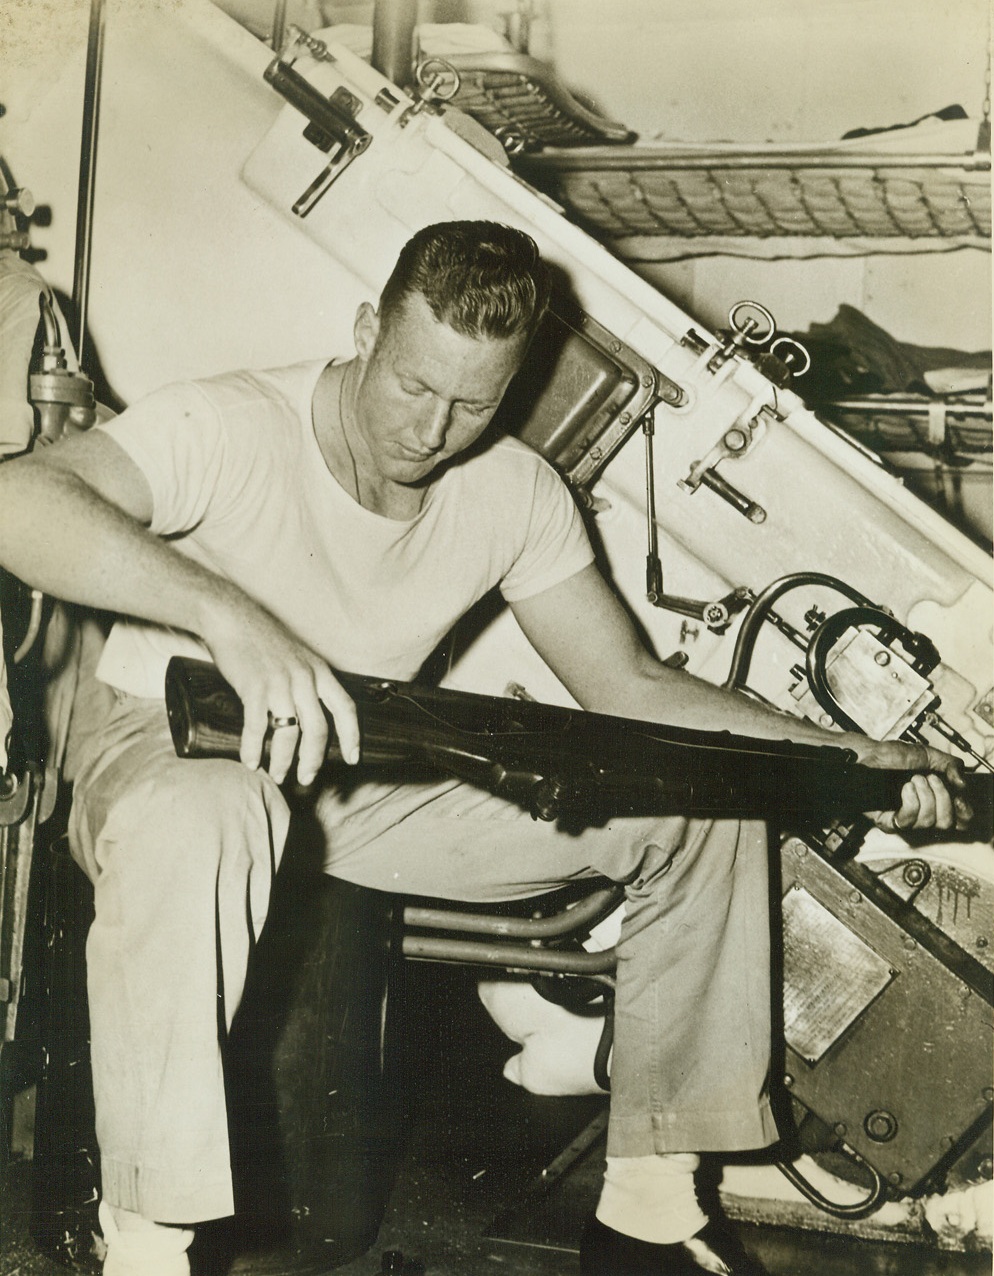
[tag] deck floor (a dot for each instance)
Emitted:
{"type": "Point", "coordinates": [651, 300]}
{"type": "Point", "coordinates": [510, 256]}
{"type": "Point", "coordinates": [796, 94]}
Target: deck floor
{"type": "Point", "coordinates": [464, 1202]}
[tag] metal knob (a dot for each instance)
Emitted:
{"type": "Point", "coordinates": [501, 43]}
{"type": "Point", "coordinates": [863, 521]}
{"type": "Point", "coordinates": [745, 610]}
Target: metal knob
{"type": "Point", "coordinates": [438, 80]}
{"type": "Point", "coordinates": [880, 1125]}
{"type": "Point", "coordinates": [20, 200]}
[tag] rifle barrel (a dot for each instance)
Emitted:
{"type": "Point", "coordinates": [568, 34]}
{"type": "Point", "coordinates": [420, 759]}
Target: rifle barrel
{"type": "Point", "coordinates": [554, 760]}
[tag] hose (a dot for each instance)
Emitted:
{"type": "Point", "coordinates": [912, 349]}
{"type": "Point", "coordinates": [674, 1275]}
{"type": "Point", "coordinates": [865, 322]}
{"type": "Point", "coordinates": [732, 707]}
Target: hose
{"type": "Point", "coordinates": [758, 610]}
{"type": "Point", "coordinates": [858, 1209]}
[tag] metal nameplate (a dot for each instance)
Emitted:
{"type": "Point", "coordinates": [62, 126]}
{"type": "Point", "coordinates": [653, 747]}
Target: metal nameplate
{"type": "Point", "coordinates": [830, 975]}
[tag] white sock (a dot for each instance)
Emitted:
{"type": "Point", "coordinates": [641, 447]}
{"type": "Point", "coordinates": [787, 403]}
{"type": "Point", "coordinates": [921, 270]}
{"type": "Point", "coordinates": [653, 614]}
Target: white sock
{"type": "Point", "coordinates": [138, 1247]}
{"type": "Point", "coordinates": [652, 1197]}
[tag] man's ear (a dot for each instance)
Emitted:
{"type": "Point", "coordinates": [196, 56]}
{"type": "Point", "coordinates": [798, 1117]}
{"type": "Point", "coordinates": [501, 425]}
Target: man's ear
{"type": "Point", "coordinates": [365, 330]}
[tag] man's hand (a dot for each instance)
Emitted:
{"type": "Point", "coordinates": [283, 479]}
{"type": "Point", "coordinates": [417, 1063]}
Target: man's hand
{"type": "Point", "coordinates": [277, 676]}
{"type": "Point", "coordinates": [931, 799]}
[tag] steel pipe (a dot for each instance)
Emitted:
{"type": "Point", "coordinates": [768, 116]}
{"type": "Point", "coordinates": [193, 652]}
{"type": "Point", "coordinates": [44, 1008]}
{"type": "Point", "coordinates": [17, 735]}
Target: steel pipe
{"type": "Point", "coordinates": [907, 406]}
{"type": "Point", "coordinates": [637, 159]}
{"type": "Point", "coordinates": [583, 914]}
{"type": "Point", "coordinates": [393, 39]}
{"type": "Point", "coordinates": [509, 956]}
{"type": "Point", "coordinates": [277, 35]}
{"type": "Point", "coordinates": [87, 173]}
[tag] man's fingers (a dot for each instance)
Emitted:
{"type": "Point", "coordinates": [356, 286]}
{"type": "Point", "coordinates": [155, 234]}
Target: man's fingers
{"type": "Point", "coordinates": [255, 724]}
{"type": "Point", "coordinates": [906, 815]}
{"type": "Point", "coordinates": [279, 725]}
{"type": "Point", "coordinates": [959, 813]}
{"type": "Point", "coordinates": [313, 738]}
{"type": "Point", "coordinates": [282, 744]}
{"type": "Point", "coordinates": [945, 815]}
{"type": "Point", "coordinates": [343, 710]}
{"type": "Point", "coordinates": [962, 813]}
{"type": "Point", "coordinates": [949, 768]}
{"type": "Point", "coordinates": [925, 803]}
{"type": "Point", "coordinates": [326, 690]}
{"type": "Point", "coordinates": [285, 701]}
{"type": "Point", "coordinates": [910, 812]}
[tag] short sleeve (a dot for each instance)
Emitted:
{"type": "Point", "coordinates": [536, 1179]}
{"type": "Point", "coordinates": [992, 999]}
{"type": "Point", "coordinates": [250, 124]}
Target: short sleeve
{"type": "Point", "coordinates": [555, 545]}
{"type": "Point", "coordinates": [174, 436]}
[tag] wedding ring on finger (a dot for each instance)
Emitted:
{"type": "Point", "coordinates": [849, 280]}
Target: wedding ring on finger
{"type": "Point", "coordinates": [276, 722]}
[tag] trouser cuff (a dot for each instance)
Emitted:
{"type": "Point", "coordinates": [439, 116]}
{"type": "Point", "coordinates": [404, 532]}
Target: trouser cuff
{"type": "Point", "coordinates": [167, 1196]}
{"type": "Point", "coordinates": [713, 1130]}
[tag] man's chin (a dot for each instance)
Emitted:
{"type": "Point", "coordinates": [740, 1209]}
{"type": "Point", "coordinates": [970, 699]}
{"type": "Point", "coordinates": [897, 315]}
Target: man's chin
{"type": "Point", "coordinates": [417, 473]}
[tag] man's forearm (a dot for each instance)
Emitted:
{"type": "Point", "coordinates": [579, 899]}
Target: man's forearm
{"type": "Point", "coordinates": [671, 696]}
{"type": "Point", "coordinates": [587, 638]}
{"type": "Point", "coordinates": [58, 535]}
{"type": "Point", "coordinates": [77, 529]}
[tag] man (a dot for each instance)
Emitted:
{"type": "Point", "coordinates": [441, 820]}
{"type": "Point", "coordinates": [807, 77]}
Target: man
{"type": "Point", "coordinates": [346, 514]}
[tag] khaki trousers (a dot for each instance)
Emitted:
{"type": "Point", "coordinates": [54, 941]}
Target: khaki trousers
{"type": "Point", "coordinates": [182, 857]}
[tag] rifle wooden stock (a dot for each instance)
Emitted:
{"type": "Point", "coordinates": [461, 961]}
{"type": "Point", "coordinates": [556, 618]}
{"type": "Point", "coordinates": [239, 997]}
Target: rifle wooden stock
{"type": "Point", "coordinates": [556, 761]}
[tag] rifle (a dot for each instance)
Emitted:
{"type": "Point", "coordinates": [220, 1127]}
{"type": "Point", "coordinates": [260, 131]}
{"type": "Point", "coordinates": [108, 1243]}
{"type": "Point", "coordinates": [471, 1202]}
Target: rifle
{"type": "Point", "coordinates": [557, 762]}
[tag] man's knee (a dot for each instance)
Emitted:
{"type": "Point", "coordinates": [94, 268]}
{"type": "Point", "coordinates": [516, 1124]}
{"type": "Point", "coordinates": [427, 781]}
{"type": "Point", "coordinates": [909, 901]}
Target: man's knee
{"type": "Point", "coordinates": [171, 818]}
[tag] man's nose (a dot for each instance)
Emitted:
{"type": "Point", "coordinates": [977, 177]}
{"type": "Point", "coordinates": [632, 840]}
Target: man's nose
{"type": "Point", "coordinates": [434, 425]}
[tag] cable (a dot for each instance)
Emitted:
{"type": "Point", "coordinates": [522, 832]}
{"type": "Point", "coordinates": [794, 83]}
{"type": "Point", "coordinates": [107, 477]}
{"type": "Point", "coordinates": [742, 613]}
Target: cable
{"type": "Point", "coordinates": [859, 1209]}
{"type": "Point", "coordinates": [602, 1059]}
{"type": "Point", "coordinates": [757, 612]}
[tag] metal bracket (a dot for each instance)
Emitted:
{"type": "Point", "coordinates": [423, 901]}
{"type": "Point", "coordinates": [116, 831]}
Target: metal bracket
{"type": "Point", "coordinates": [18, 821]}
{"type": "Point", "coordinates": [744, 331]}
{"type": "Point", "coordinates": [298, 38]}
{"type": "Point", "coordinates": [751, 324]}
{"type": "Point", "coordinates": [438, 82]}
{"type": "Point", "coordinates": [15, 795]}
{"type": "Point", "coordinates": [581, 393]}
{"type": "Point", "coordinates": [332, 123]}
{"type": "Point", "coordinates": [733, 443]}
{"type": "Point", "coordinates": [716, 615]}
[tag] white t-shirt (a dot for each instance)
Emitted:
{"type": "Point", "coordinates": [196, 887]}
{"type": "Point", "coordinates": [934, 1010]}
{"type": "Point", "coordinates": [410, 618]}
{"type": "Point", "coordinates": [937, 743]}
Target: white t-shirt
{"type": "Point", "coordinates": [239, 484]}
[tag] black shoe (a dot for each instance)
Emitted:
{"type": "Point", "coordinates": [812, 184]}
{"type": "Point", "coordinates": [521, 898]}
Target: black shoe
{"type": "Point", "coordinates": [715, 1249]}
